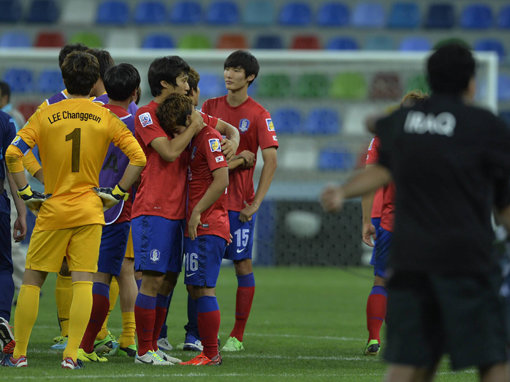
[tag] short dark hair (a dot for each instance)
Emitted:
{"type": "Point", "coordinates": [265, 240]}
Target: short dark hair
{"type": "Point", "coordinates": [243, 59]}
{"type": "Point", "coordinates": [167, 69]}
{"type": "Point", "coordinates": [66, 49]}
{"type": "Point", "coordinates": [105, 60]}
{"type": "Point", "coordinates": [80, 71]}
{"type": "Point", "coordinates": [5, 90]}
{"type": "Point", "coordinates": [120, 81]}
{"type": "Point", "coordinates": [450, 68]}
{"type": "Point", "coordinates": [173, 111]}
{"type": "Point", "coordinates": [193, 80]}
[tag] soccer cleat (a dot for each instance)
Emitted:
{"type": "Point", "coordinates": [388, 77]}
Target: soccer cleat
{"type": "Point", "coordinates": [68, 363]}
{"type": "Point", "coordinates": [203, 360]}
{"type": "Point", "coordinates": [9, 348]}
{"type": "Point", "coordinates": [60, 343]}
{"type": "Point", "coordinates": [151, 358]}
{"type": "Point", "coordinates": [373, 347]}
{"type": "Point", "coordinates": [10, 361]}
{"type": "Point", "coordinates": [163, 344]}
{"type": "Point", "coordinates": [6, 335]}
{"type": "Point", "coordinates": [129, 351]}
{"type": "Point", "coordinates": [167, 358]}
{"type": "Point", "coordinates": [106, 346]}
{"type": "Point", "coordinates": [233, 344]}
{"type": "Point", "coordinates": [90, 357]}
{"type": "Point", "coordinates": [192, 343]}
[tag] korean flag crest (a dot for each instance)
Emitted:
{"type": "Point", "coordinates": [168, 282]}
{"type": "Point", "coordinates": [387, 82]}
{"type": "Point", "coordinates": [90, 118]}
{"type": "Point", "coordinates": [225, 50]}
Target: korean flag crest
{"type": "Point", "coordinates": [214, 145]}
{"type": "Point", "coordinates": [244, 124]}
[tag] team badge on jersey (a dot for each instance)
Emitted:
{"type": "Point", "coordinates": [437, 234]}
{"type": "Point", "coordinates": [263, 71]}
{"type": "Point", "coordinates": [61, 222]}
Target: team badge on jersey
{"type": "Point", "coordinates": [244, 124]}
{"type": "Point", "coordinates": [145, 119]}
{"type": "Point", "coordinates": [155, 255]}
{"type": "Point", "coordinates": [269, 123]}
{"type": "Point", "coordinates": [214, 145]}
{"type": "Point", "coordinates": [219, 159]}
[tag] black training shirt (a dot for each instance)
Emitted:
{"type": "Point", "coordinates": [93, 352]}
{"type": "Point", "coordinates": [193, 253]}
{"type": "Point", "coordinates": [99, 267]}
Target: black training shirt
{"type": "Point", "coordinates": [448, 161]}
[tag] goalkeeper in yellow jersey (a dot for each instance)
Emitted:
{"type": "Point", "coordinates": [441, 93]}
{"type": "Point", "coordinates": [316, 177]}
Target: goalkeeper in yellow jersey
{"type": "Point", "coordinates": [73, 137]}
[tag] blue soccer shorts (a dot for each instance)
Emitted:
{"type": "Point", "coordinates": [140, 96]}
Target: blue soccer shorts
{"type": "Point", "coordinates": [381, 251]}
{"type": "Point", "coordinates": [376, 222]}
{"type": "Point", "coordinates": [158, 243]}
{"type": "Point", "coordinates": [202, 260]}
{"type": "Point", "coordinates": [242, 237]}
{"type": "Point", "coordinates": [113, 247]}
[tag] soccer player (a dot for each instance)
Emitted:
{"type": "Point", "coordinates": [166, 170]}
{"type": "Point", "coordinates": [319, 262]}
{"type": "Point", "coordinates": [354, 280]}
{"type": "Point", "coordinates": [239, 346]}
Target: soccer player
{"type": "Point", "coordinates": [6, 105]}
{"type": "Point", "coordinates": [73, 137]}
{"type": "Point", "coordinates": [207, 230]}
{"type": "Point", "coordinates": [121, 83]}
{"type": "Point", "coordinates": [257, 131]}
{"type": "Point", "coordinates": [450, 163]}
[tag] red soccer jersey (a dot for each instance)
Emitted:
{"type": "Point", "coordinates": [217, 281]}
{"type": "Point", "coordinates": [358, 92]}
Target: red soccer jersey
{"type": "Point", "coordinates": [256, 130]}
{"type": "Point", "coordinates": [373, 158]}
{"type": "Point", "coordinates": [162, 190]}
{"type": "Point", "coordinates": [205, 157]}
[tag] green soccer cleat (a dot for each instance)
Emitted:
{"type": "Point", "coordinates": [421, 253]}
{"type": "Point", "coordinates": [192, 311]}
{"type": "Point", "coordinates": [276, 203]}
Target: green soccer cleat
{"type": "Point", "coordinates": [106, 346]}
{"type": "Point", "coordinates": [60, 343]}
{"type": "Point", "coordinates": [373, 347]}
{"type": "Point", "coordinates": [233, 344]}
{"type": "Point", "coordinates": [129, 351]}
{"type": "Point", "coordinates": [90, 357]}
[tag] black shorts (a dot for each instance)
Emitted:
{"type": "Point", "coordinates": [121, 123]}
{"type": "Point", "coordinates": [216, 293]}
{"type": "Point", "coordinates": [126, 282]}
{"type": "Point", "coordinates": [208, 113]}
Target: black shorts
{"type": "Point", "coordinates": [431, 315]}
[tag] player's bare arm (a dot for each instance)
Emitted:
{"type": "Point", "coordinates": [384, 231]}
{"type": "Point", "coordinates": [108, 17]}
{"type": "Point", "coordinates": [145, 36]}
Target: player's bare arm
{"type": "Point", "coordinates": [368, 229]}
{"type": "Point", "coordinates": [228, 146]}
{"type": "Point", "coordinates": [245, 159]}
{"type": "Point", "coordinates": [20, 224]}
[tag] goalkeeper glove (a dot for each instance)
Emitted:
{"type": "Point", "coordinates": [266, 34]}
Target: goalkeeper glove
{"type": "Point", "coordinates": [111, 196]}
{"type": "Point", "coordinates": [33, 199]}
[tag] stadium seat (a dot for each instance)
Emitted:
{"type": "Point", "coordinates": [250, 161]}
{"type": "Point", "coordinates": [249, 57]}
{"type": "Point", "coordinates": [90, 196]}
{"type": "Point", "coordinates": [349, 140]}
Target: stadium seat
{"type": "Point", "coordinates": [417, 82]}
{"type": "Point", "coordinates": [50, 81]}
{"type": "Point", "coordinates": [20, 80]}
{"type": "Point", "coordinates": [335, 159]}
{"type": "Point", "coordinates": [503, 87]}
{"type": "Point", "coordinates": [27, 109]}
{"type": "Point", "coordinates": [440, 16]}
{"type": "Point", "coordinates": [274, 85]}
{"type": "Point", "coordinates": [385, 86]}
{"type": "Point", "coordinates": [16, 39]}
{"type": "Point", "coordinates": [194, 41]}
{"type": "Point", "coordinates": [150, 12]}
{"type": "Point", "coordinates": [379, 42]}
{"type": "Point", "coordinates": [259, 13]}
{"type": "Point", "coordinates": [451, 40]}
{"type": "Point", "coordinates": [415, 43]}
{"type": "Point", "coordinates": [222, 13]}
{"type": "Point", "coordinates": [505, 116]}
{"type": "Point", "coordinates": [211, 85]}
{"type": "Point", "coordinates": [305, 42]}
{"type": "Point", "coordinates": [90, 39]}
{"type": "Point", "coordinates": [368, 15]}
{"type": "Point", "coordinates": [322, 121]}
{"type": "Point", "coordinates": [232, 41]}
{"type": "Point", "coordinates": [490, 45]}
{"type": "Point", "coordinates": [112, 12]}
{"type": "Point", "coordinates": [296, 14]}
{"type": "Point", "coordinates": [186, 12]}
{"type": "Point", "coordinates": [268, 42]}
{"type": "Point", "coordinates": [49, 40]}
{"type": "Point", "coordinates": [504, 17]}
{"type": "Point", "coordinates": [476, 16]}
{"type": "Point", "coordinates": [312, 85]}
{"type": "Point", "coordinates": [333, 14]}
{"type": "Point", "coordinates": [78, 12]}
{"type": "Point", "coordinates": [12, 10]}
{"type": "Point", "coordinates": [118, 38]}
{"type": "Point", "coordinates": [43, 11]}
{"type": "Point", "coordinates": [342, 43]}
{"type": "Point", "coordinates": [349, 85]}
{"type": "Point", "coordinates": [404, 16]}
{"type": "Point", "coordinates": [158, 41]}
{"type": "Point", "coordinates": [287, 120]}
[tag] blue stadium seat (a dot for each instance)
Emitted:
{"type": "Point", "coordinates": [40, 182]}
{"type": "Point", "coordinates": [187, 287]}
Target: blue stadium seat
{"type": "Point", "coordinates": [322, 121]}
{"type": "Point", "coordinates": [186, 12]}
{"type": "Point", "coordinates": [368, 15]}
{"type": "Point", "coordinates": [20, 80]}
{"type": "Point", "coordinates": [504, 87]}
{"type": "Point", "coordinates": [12, 11]}
{"type": "Point", "coordinates": [415, 43]}
{"type": "Point", "coordinates": [287, 120]}
{"type": "Point", "coordinates": [268, 42]}
{"type": "Point", "coordinates": [222, 12]}
{"type": "Point", "coordinates": [50, 81]}
{"type": "Point", "coordinates": [404, 16]}
{"type": "Point", "coordinates": [150, 12]}
{"type": "Point", "coordinates": [112, 12]}
{"type": "Point", "coordinates": [379, 42]}
{"type": "Point", "coordinates": [342, 43]}
{"type": "Point", "coordinates": [440, 16]}
{"type": "Point", "coordinates": [476, 16]}
{"type": "Point", "coordinates": [295, 13]}
{"type": "Point", "coordinates": [504, 17]}
{"type": "Point", "coordinates": [259, 13]}
{"type": "Point", "coordinates": [158, 41]}
{"type": "Point", "coordinates": [490, 45]}
{"type": "Point", "coordinates": [335, 159]}
{"type": "Point", "coordinates": [43, 11]}
{"type": "Point", "coordinates": [211, 85]}
{"type": "Point", "coordinates": [333, 14]}
{"type": "Point", "coordinates": [17, 39]}
{"type": "Point", "coordinates": [505, 116]}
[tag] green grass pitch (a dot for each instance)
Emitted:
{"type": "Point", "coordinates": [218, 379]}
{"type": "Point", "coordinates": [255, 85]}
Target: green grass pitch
{"type": "Point", "coordinates": [307, 324]}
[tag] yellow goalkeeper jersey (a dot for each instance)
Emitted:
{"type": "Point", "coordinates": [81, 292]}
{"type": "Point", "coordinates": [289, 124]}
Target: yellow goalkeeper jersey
{"type": "Point", "coordinates": [73, 136]}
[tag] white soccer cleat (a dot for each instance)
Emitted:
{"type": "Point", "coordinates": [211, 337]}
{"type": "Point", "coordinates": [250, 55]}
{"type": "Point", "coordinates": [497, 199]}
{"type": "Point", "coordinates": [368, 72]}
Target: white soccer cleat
{"type": "Point", "coordinates": [151, 358]}
{"type": "Point", "coordinates": [168, 358]}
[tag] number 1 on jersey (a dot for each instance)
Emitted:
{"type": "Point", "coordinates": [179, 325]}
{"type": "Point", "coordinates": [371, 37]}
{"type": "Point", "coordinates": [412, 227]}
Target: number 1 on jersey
{"type": "Point", "coordinates": [75, 137]}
